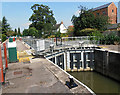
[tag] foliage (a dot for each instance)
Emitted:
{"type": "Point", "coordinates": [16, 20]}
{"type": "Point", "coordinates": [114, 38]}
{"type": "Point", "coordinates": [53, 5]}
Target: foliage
{"type": "Point", "coordinates": [15, 32]}
{"type": "Point", "coordinates": [86, 19]}
{"type": "Point", "coordinates": [58, 34]}
{"type": "Point", "coordinates": [19, 33]}
{"type": "Point", "coordinates": [5, 26]}
{"type": "Point", "coordinates": [70, 31]}
{"type": "Point", "coordinates": [110, 39]}
{"type": "Point", "coordinates": [25, 32]}
{"type": "Point", "coordinates": [86, 31]}
{"type": "Point", "coordinates": [11, 33]}
{"type": "Point", "coordinates": [101, 22]}
{"type": "Point", "coordinates": [64, 35]}
{"type": "Point", "coordinates": [3, 37]}
{"type": "Point", "coordinates": [107, 39]}
{"type": "Point", "coordinates": [31, 32]}
{"type": "Point", "coordinates": [42, 19]}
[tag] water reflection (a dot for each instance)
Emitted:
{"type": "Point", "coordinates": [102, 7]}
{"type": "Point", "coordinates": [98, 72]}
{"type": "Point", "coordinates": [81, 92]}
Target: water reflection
{"type": "Point", "coordinates": [97, 82]}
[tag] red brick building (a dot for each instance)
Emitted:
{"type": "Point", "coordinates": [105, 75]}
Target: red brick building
{"type": "Point", "coordinates": [109, 10]}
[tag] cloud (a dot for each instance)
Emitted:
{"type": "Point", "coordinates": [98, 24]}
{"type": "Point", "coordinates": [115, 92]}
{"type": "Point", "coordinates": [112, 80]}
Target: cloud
{"type": "Point", "coordinates": [77, 13]}
{"type": "Point", "coordinates": [26, 24]}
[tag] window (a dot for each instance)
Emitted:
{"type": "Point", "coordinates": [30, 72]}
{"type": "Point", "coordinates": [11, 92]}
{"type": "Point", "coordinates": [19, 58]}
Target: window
{"type": "Point", "coordinates": [103, 12]}
{"type": "Point", "coordinates": [97, 13]}
{"type": "Point", "coordinates": [112, 10]}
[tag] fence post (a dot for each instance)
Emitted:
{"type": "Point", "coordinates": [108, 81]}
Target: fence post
{"type": "Point", "coordinates": [1, 67]}
{"type": "Point", "coordinates": [5, 54]}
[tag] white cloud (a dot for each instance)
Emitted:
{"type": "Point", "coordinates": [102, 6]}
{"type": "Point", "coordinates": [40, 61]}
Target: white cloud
{"type": "Point", "coordinates": [77, 13]}
{"type": "Point", "coordinates": [26, 24]}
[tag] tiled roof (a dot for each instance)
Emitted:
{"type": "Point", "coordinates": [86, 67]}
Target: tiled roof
{"type": "Point", "coordinates": [56, 26]}
{"type": "Point", "coordinates": [101, 7]}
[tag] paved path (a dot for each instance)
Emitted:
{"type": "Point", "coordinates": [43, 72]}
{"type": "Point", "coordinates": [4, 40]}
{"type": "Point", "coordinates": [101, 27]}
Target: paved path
{"type": "Point", "coordinates": [21, 46]}
{"type": "Point", "coordinates": [38, 76]}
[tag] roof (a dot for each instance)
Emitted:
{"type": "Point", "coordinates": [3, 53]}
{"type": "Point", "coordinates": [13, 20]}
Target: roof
{"type": "Point", "coordinates": [113, 26]}
{"type": "Point", "coordinates": [101, 7]}
{"type": "Point", "coordinates": [55, 27]}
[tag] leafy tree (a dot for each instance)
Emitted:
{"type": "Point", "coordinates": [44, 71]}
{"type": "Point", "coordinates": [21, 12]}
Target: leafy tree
{"type": "Point", "coordinates": [11, 33]}
{"type": "Point", "coordinates": [86, 19]}
{"type": "Point", "coordinates": [26, 32]}
{"type": "Point", "coordinates": [42, 19]}
{"type": "Point", "coordinates": [70, 31]}
{"type": "Point", "coordinates": [33, 32]}
{"type": "Point", "coordinates": [5, 26]}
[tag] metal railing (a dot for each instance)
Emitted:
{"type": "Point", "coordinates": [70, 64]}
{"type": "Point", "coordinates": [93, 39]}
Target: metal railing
{"type": "Point", "coordinates": [83, 41]}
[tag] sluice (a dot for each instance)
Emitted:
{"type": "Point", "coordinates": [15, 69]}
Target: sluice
{"type": "Point", "coordinates": [74, 59]}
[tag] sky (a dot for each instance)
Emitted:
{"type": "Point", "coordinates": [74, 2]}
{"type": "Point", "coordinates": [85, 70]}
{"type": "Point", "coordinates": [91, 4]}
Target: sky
{"type": "Point", "coordinates": [18, 13]}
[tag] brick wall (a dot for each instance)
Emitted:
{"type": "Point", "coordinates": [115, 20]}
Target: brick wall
{"type": "Point", "coordinates": [108, 12]}
{"type": "Point", "coordinates": [112, 15]}
{"type": "Point", "coordinates": [105, 10]}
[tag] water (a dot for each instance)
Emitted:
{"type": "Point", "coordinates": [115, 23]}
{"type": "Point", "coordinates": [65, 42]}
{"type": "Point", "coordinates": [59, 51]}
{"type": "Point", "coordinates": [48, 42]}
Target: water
{"type": "Point", "coordinates": [97, 82]}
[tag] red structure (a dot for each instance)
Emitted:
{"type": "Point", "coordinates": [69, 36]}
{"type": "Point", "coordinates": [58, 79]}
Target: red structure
{"type": "Point", "coordinates": [109, 10]}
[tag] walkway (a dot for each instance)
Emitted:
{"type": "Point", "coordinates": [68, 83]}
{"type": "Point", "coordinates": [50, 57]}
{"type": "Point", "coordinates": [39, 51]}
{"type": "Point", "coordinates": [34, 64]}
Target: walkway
{"type": "Point", "coordinates": [37, 76]}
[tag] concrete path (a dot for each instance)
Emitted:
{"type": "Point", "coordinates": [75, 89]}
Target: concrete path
{"type": "Point", "coordinates": [38, 76]}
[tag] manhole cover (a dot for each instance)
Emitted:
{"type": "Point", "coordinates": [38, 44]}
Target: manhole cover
{"type": "Point", "coordinates": [17, 72]}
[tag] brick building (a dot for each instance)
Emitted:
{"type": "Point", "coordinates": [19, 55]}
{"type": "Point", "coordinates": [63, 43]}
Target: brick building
{"type": "Point", "coordinates": [109, 10]}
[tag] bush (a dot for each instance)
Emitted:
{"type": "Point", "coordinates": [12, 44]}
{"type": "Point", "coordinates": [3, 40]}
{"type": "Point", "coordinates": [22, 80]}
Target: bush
{"type": "Point", "coordinates": [86, 31]}
{"type": "Point", "coordinates": [110, 39]}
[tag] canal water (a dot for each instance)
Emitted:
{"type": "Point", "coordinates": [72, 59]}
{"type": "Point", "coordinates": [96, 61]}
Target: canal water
{"type": "Point", "coordinates": [97, 82]}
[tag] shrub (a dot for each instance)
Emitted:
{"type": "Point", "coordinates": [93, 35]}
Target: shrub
{"type": "Point", "coordinates": [86, 31]}
{"type": "Point", "coordinates": [110, 39]}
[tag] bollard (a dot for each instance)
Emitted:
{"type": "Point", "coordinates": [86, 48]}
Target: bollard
{"type": "Point", "coordinates": [13, 39]}
{"type": "Point", "coordinates": [1, 67]}
{"type": "Point", "coordinates": [5, 54]}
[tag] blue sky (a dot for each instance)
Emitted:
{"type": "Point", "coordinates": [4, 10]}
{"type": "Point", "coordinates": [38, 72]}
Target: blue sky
{"type": "Point", "coordinates": [18, 13]}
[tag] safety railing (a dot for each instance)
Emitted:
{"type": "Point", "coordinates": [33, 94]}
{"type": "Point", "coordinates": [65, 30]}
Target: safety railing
{"type": "Point", "coordinates": [45, 44]}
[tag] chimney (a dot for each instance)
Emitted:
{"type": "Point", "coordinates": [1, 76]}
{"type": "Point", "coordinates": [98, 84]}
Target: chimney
{"type": "Point", "coordinates": [61, 22]}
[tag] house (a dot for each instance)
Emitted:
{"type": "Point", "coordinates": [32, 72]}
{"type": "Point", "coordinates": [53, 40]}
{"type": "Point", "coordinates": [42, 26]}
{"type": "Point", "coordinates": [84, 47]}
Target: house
{"type": "Point", "coordinates": [60, 27]}
{"type": "Point", "coordinates": [109, 10]}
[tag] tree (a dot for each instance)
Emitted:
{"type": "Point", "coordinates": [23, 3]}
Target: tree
{"type": "Point", "coordinates": [70, 31]}
{"type": "Point", "coordinates": [5, 26]}
{"type": "Point", "coordinates": [26, 32]}
{"type": "Point", "coordinates": [86, 19]}
{"type": "Point", "coordinates": [33, 32]}
{"type": "Point", "coordinates": [42, 19]}
{"type": "Point", "coordinates": [19, 32]}
{"type": "Point", "coordinates": [15, 31]}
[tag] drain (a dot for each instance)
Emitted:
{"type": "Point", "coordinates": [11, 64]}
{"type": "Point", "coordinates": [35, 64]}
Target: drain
{"type": "Point", "coordinates": [17, 72]}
